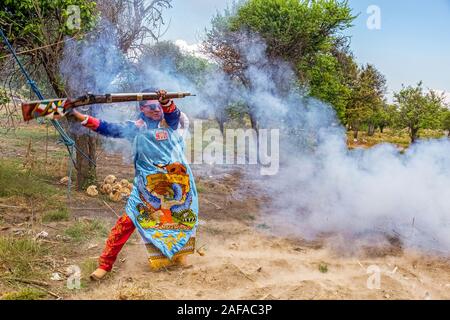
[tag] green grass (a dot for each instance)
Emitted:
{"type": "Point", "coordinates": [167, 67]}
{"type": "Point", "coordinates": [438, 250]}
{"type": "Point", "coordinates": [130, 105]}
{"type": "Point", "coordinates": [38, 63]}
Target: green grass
{"type": "Point", "coordinates": [323, 268]}
{"type": "Point", "coordinates": [34, 132]}
{"type": "Point", "coordinates": [21, 257]}
{"type": "Point", "coordinates": [398, 137]}
{"type": "Point", "coordinates": [60, 214]}
{"type": "Point", "coordinates": [24, 294]}
{"type": "Point", "coordinates": [85, 230]}
{"type": "Point", "coordinates": [15, 181]}
{"type": "Point", "coordinates": [200, 188]}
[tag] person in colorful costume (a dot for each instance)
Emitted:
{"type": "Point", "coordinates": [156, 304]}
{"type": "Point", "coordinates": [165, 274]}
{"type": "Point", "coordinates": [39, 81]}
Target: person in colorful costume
{"type": "Point", "coordinates": [163, 204]}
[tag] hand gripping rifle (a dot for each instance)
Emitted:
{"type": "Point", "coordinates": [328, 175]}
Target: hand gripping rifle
{"type": "Point", "coordinates": [53, 108]}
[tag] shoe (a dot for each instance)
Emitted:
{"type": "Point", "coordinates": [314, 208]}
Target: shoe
{"type": "Point", "coordinates": [98, 274]}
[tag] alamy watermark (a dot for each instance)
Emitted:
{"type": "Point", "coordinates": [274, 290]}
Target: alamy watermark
{"type": "Point", "coordinates": [234, 146]}
{"type": "Point", "coordinates": [374, 279]}
{"type": "Point", "coordinates": [74, 277]}
{"type": "Point", "coordinates": [73, 17]}
{"type": "Point", "coordinates": [374, 20]}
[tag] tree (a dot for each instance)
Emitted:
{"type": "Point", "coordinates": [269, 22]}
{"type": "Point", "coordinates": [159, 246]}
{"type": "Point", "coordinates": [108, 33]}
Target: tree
{"type": "Point", "coordinates": [137, 21]}
{"type": "Point", "coordinates": [446, 122]}
{"type": "Point", "coordinates": [304, 33]}
{"type": "Point", "coordinates": [418, 110]}
{"type": "Point", "coordinates": [39, 28]}
{"type": "Point", "coordinates": [367, 99]}
{"type": "Point", "coordinates": [386, 116]}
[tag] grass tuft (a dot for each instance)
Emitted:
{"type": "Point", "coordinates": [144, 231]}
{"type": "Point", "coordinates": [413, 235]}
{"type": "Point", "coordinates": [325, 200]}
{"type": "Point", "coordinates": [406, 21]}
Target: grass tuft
{"type": "Point", "coordinates": [25, 294]}
{"type": "Point", "coordinates": [14, 181]}
{"type": "Point", "coordinates": [20, 257]}
{"type": "Point", "coordinates": [61, 214]}
{"type": "Point", "coordinates": [323, 268]}
{"type": "Point", "coordinates": [85, 230]}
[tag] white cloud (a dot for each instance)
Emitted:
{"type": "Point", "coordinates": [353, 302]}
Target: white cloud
{"type": "Point", "coordinates": [193, 49]}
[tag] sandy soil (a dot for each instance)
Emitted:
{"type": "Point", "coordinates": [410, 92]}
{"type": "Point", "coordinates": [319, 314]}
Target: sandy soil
{"type": "Point", "coordinates": [243, 259]}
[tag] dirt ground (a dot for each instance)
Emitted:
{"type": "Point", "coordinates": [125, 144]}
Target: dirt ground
{"type": "Point", "coordinates": [241, 257]}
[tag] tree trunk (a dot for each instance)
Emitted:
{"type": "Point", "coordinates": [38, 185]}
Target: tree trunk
{"type": "Point", "coordinates": [253, 121]}
{"type": "Point", "coordinates": [371, 130]}
{"type": "Point", "coordinates": [414, 134]}
{"type": "Point", "coordinates": [220, 118]}
{"type": "Point", "coordinates": [86, 173]}
{"type": "Point", "coordinates": [381, 129]}
{"type": "Point", "coordinates": [355, 133]}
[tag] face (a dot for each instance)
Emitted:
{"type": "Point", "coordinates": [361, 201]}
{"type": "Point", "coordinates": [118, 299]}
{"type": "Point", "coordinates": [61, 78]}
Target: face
{"type": "Point", "coordinates": [152, 109]}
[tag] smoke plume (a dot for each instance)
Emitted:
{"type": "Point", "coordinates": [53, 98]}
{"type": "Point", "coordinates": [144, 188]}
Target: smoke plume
{"type": "Point", "coordinates": [322, 187]}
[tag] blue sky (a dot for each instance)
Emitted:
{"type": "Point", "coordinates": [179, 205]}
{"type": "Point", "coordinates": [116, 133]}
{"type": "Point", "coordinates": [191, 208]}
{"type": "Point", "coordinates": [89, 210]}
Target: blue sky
{"type": "Point", "coordinates": [413, 43]}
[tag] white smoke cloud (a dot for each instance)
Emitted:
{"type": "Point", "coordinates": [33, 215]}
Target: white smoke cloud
{"type": "Point", "coordinates": [193, 49]}
{"type": "Point", "coordinates": [322, 187]}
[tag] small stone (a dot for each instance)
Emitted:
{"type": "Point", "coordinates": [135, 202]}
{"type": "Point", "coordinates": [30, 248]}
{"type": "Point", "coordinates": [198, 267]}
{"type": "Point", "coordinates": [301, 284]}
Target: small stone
{"type": "Point", "coordinates": [42, 234]}
{"type": "Point", "coordinates": [106, 188]}
{"type": "Point", "coordinates": [110, 179]}
{"type": "Point", "coordinates": [64, 180]}
{"type": "Point", "coordinates": [92, 191]}
{"type": "Point", "coordinates": [115, 196]}
{"type": "Point", "coordinates": [56, 277]}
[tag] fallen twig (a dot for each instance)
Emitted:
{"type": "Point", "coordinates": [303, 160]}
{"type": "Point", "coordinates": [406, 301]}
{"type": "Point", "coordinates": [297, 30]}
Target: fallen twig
{"type": "Point", "coordinates": [243, 273]}
{"type": "Point", "coordinates": [214, 204]}
{"type": "Point", "coordinates": [86, 208]}
{"type": "Point", "coordinates": [111, 208]}
{"type": "Point", "coordinates": [46, 290]}
{"type": "Point", "coordinates": [13, 207]}
{"type": "Point", "coordinates": [46, 225]}
{"type": "Point", "coordinates": [27, 281]}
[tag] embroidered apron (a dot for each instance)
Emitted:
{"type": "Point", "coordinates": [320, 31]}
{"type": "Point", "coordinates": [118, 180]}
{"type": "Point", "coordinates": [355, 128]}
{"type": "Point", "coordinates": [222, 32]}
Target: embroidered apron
{"type": "Point", "coordinates": [163, 204]}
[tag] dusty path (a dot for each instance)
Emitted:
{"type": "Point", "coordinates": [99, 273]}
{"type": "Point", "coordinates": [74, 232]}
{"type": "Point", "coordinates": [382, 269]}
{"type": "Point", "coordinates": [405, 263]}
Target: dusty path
{"type": "Point", "coordinates": [243, 261]}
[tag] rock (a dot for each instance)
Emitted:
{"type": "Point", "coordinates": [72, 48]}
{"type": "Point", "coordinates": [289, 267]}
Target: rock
{"type": "Point", "coordinates": [64, 180]}
{"type": "Point", "coordinates": [125, 192]}
{"type": "Point", "coordinates": [116, 186]}
{"type": "Point", "coordinates": [125, 183]}
{"type": "Point", "coordinates": [115, 196]}
{"type": "Point", "coordinates": [42, 234]}
{"type": "Point", "coordinates": [110, 179]}
{"type": "Point", "coordinates": [201, 252]}
{"type": "Point", "coordinates": [56, 277]}
{"type": "Point", "coordinates": [92, 191]}
{"type": "Point", "coordinates": [106, 188]}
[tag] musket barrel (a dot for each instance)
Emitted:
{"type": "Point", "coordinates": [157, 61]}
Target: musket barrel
{"type": "Point", "coordinates": [50, 107]}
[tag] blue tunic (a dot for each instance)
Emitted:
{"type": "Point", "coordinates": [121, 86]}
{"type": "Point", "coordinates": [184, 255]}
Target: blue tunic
{"type": "Point", "coordinates": [163, 204]}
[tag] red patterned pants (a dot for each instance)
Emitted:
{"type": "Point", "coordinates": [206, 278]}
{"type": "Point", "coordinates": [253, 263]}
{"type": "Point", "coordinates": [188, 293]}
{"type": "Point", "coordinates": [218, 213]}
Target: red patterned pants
{"type": "Point", "coordinates": [119, 234]}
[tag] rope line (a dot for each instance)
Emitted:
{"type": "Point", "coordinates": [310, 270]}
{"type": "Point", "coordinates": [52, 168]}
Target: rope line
{"type": "Point", "coordinates": [65, 138]}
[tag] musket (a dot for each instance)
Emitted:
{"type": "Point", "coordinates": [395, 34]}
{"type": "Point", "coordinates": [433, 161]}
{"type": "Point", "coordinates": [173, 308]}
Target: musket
{"type": "Point", "coordinates": [52, 108]}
